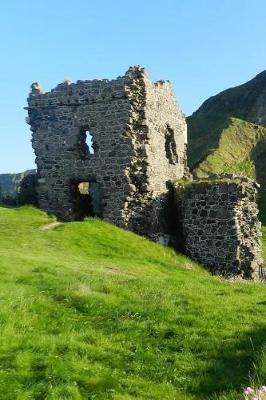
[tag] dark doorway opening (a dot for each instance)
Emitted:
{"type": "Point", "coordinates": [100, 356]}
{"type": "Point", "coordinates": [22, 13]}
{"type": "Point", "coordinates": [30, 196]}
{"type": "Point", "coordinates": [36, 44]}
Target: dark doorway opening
{"type": "Point", "coordinates": [87, 199]}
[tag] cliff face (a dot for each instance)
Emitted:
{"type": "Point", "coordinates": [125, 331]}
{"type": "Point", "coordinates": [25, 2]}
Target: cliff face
{"type": "Point", "coordinates": [9, 183]}
{"type": "Point", "coordinates": [228, 134]}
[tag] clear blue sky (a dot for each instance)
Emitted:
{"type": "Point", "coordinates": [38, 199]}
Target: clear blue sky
{"type": "Point", "coordinates": [202, 46]}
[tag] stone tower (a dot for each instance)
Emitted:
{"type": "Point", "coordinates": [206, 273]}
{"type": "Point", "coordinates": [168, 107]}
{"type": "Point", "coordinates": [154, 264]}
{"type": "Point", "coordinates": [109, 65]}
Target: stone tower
{"type": "Point", "coordinates": [108, 148]}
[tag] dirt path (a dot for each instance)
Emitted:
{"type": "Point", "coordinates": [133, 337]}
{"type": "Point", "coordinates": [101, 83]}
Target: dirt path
{"type": "Point", "coordinates": [50, 226]}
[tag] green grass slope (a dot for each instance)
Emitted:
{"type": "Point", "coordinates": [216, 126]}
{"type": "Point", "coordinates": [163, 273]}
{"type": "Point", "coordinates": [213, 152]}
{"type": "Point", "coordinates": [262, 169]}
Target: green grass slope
{"type": "Point", "coordinates": [227, 134]}
{"type": "Point", "coordinates": [89, 311]}
{"type": "Point", "coordinates": [203, 135]}
{"type": "Point", "coordinates": [241, 149]}
{"type": "Point", "coordinates": [246, 102]}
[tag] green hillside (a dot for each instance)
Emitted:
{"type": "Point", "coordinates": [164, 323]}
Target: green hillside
{"type": "Point", "coordinates": [228, 134]}
{"type": "Point", "coordinates": [89, 311]}
{"type": "Point", "coordinates": [236, 149]}
{"type": "Point", "coordinates": [241, 149]}
{"type": "Point", "coordinates": [246, 102]}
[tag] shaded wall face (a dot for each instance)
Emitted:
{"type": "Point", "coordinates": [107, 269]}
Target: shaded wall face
{"type": "Point", "coordinates": [59, 121]}
{"type": "Point", "coordinates": [221, 229]}
{"type": "Point", "coordinates": [158, 130]}
{"type": "Point", "coordinates": [168, 136]}
{"type": "Point", "coordinates": [209, 226]}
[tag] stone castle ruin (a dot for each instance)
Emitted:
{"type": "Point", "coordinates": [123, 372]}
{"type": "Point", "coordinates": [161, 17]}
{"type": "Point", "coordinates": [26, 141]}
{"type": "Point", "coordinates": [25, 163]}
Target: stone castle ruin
{"type": "Point", "coordinates": [126, 138]}
{"type": "Point", "coordinates": [111, 148]}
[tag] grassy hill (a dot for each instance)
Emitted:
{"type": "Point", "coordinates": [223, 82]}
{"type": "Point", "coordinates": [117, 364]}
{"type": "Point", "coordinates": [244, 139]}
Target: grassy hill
{"type": "Point", "coordinates": [241, 149]}
{"type": "Point", "coordinates": [228, 134]}
{"type": "Point", "coordinates": [89, 311]}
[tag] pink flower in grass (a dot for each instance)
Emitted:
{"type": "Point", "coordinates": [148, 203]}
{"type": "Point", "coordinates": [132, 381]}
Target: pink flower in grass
{"type": "Point", "coordinates": [248, 391]}
{"type": "Point", "coordinates": [252, 394]}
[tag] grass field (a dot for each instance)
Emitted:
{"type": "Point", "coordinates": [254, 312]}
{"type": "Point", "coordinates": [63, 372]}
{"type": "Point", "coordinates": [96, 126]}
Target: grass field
{"type": "Point", "coordinates": [89, 311]}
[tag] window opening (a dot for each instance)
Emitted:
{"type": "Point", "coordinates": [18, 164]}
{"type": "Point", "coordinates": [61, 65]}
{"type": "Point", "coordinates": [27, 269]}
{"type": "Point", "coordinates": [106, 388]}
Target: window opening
{"type": "Point", "coordinates": [89, 142]}
{"type": "Point", "coordinates": [86, 143]}
{"type": "Point", "coordinates": [83, 187]}
{"type": "Point", "coordinates": [170, 146]}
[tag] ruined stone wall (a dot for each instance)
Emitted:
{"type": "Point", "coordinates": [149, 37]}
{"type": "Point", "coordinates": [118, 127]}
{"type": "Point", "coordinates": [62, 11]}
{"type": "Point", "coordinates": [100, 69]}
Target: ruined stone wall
{"type": "Point", "coordinates": [158, 129]}
{"type": "Point", "coordinates": [166, 152]}
{"type": "Point", "coordinates": [58, 120]}
{"type": "Point", "coordinates": [129, 119]}
{"type": "Point", "coordinates": [220, 226]}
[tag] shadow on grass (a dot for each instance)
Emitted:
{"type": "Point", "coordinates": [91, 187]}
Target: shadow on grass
{"type": "Point", "coordinates": [234, 366]}
{"type": "Point", "coordinates": [2, 205]}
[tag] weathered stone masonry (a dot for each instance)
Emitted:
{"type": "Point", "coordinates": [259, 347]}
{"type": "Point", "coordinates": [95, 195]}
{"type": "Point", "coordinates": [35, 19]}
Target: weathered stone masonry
{"type": "Point", "coordinates": [139, 141]}
{"type": "Point", "coordinates": [219, 219]}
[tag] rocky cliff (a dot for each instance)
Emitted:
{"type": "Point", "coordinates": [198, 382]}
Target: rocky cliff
{"type": "Point", "coordinates": [10, 183]}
